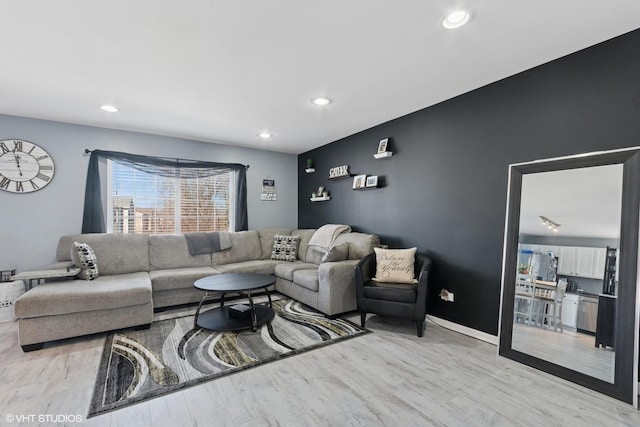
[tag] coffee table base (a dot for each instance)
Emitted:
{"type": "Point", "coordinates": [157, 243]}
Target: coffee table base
{"type": "Point", "coordinates": [242, 284]}
{"type": "Point", "coordinates": [218, 319]}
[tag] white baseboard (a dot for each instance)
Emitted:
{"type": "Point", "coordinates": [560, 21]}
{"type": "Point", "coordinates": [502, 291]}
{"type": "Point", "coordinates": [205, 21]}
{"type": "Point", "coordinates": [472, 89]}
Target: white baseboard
{"type": "Point", "coordinates": [474, 333]}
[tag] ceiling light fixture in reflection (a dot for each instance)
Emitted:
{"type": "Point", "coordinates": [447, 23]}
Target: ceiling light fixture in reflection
{"type": "Point", "coordinates": [550, 224]}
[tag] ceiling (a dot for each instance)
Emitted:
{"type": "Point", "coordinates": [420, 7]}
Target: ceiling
{"type": "Point", "coordinates": [224, 71]}
{"type": "Point", "coordinates": [585, 202]}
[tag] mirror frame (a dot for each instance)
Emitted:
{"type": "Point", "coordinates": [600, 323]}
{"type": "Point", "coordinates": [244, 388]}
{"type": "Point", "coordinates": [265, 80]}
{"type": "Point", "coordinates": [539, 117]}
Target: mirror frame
{"type": "Point", "coordinates": [625, 385]}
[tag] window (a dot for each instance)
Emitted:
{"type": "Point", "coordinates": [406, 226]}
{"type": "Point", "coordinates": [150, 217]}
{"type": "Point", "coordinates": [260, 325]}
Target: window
{"type": "Point", "coordinates": [167, 202]}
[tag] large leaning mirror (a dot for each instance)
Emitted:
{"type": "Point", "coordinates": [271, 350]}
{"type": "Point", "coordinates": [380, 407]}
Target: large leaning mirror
{"type": "Point", "coordinates": [569, 280]}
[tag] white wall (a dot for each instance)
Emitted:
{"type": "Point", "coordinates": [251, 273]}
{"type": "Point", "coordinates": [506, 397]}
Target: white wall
{"type": "Point", "coordinates": [31, 224]}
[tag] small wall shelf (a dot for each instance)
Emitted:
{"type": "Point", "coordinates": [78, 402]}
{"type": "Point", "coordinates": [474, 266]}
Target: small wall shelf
{"type": "Point", "coordinates": [366, 188]}
{"type": "Point", "coordinates": [320, 199]}
{"type": "Point", "coordinates": [383, 155]}
{"type": "Point", "coordinates": [335, 178]}
{"type": "Point", "coordinates": [310, 170]}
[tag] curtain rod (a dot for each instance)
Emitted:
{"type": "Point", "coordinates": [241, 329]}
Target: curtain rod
{"type": "Point", "coordinates": [87, 151]}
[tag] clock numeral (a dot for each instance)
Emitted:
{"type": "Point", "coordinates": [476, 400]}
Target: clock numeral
{"type": "Point", "coordinates": [43, 177]}
{"type": "Point", "coordinates": [46, 167]}
{"type": "Point", "coordinates": [19, 186]}
{"type": "Point", "coordinates": [4, 183]}
{"type": "Point", "coordinates": [33, 184]}
{"type": "Point", "coordinates": [42, 157]}
{"type": "Point", "coordinates": [5, 149]}
{"type": "Point", "coordinates": [32, 148]}
{"type": "Point", "coordinates": [17, 145]}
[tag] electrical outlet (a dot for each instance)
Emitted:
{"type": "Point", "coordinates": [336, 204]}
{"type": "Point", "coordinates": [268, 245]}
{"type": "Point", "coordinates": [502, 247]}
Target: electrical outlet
{"type": "Point", "coordinates": [445, 295]}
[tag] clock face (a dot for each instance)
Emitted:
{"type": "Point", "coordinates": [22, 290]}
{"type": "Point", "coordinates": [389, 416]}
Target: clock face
{"type": "Point", "coordinates": [24, 166]}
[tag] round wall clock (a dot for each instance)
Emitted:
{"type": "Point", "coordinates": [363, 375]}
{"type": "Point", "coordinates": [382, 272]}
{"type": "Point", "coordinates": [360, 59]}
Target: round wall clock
{"type": "Point", "coordinates": [24, 166]}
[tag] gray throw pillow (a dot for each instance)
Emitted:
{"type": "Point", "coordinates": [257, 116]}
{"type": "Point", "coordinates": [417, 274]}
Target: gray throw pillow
{"type": "Point", "coordinates": [336, 253]}
{"type": "Point", "coordinates": [315, 254]}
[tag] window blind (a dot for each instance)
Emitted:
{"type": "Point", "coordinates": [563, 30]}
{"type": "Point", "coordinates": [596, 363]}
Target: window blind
{"type": "Point", "coordinates": [165, 202]}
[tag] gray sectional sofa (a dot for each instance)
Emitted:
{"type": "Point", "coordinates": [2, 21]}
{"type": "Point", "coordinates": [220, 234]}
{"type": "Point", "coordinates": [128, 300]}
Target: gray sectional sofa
{"type": "Point", "coordinates": [140, 273]}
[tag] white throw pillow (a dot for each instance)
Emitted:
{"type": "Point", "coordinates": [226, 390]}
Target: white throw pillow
{"type": "Point", "coordinates": [84, 257]}
{"type": "Point", "coordinates": [395, 265]}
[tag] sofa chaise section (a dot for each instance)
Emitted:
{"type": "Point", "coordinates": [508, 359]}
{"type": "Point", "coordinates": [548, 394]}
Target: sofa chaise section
{"type": "Point", "coordinates": [72, 308]}
{"type": "Point", "coordinates": [119, 298]}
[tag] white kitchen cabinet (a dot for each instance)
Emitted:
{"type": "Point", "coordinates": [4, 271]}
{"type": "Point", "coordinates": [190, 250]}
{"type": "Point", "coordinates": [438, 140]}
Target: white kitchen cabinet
{"type": "Point", "coordinates": [570, 310]}
{"type": "Point", "coordinates": [591, 262]}
{"type": "Point", "coordinates": [584, 262]}
{"type": "Point", "coordinates": [567, 260]}
{"type": "Point", "coordinates": [581, 261]}
{"type": "Point", "coordinates": [598, 262]}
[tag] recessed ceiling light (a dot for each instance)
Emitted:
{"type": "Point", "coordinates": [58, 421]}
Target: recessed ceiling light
{"type": "Point", "coordinates": [456, 19]}
{"type": "Point", "coordinates": [109, 108]}
{"type": "Point", "coordinates": [321, 101]}
{"type": "Point", "coordinates": [265, 135]}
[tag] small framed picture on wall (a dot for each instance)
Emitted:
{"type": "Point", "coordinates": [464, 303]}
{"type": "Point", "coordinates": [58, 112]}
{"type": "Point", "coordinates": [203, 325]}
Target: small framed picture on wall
{"type": "Point", "coordinates": [382, 145]}
{"type": "Point", "coordinates": [359, 181]}
{"type": "Point", "coordinates": [372, 181]}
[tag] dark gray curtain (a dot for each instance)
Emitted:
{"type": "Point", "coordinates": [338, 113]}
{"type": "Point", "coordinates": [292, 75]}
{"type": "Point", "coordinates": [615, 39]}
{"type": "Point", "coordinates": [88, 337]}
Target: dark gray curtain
{"type": "Point", "coordinates": [93, 216]}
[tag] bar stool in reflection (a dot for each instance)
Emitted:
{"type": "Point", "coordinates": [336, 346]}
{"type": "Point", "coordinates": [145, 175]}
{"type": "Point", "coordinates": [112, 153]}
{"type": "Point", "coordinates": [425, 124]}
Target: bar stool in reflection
{"type": "Point", "coordinates": [524, 300]}
{"type": "Point", "coordinates": [550, 307]}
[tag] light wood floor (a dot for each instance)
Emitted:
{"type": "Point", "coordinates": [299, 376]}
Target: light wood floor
{"type": "Point", "coordinates": [570, 349]}
{"type": "Point", "coordinates": [387, 378]}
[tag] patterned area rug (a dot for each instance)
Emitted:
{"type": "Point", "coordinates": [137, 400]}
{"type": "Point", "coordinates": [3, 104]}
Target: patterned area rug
{"type": "Point", "coordinates": [171, 355]}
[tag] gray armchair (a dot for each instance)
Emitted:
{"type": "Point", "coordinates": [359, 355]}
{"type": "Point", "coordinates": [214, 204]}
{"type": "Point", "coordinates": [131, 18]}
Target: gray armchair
{"type": "Point", "coordinates": [408, 301]}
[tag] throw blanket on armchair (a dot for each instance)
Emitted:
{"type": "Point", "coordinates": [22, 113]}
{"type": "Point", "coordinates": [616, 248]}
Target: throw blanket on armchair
{"type": "Point", "coordinates": [325, 235]}
{"type": "Point", "coordinates": [206, 243]}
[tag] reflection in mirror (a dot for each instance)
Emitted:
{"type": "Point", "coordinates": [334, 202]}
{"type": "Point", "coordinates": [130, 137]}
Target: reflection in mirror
{"type": "Point", "coordinates": [594, 251]}
{"type": "Point", "coordinates": [565, 281]}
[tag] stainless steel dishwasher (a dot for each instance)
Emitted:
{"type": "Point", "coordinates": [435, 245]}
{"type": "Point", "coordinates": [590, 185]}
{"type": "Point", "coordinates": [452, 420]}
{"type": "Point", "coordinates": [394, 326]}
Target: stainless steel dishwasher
{"type": "Point", "coordinates": [587, 314]}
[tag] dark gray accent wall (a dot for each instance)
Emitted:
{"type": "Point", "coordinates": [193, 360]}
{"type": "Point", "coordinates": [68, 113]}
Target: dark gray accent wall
{"type": "Point", "coordinates": [445, 186]}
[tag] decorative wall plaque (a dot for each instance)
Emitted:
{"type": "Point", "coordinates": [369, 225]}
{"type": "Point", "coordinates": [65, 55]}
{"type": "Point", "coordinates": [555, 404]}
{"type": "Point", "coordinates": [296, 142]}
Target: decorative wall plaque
{"type": "Point", "coordinates": [268, 190]}
{"type": "Point", "coordinates": [339, 172]}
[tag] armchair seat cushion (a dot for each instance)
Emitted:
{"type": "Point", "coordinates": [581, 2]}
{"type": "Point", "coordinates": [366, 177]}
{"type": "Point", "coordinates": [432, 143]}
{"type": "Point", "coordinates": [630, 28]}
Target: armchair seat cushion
{"type": "Point", "coordinates": [398, 292]}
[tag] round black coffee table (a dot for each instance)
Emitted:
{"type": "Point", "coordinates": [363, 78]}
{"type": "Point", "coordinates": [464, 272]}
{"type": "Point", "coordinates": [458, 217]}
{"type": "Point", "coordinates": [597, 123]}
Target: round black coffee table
{"type": "Point", "coordinates": [225, 318]}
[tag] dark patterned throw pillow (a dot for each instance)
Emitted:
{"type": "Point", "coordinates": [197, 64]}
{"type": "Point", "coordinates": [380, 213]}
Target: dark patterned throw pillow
{"type": "Point", "coordinates": [85, 258]}
{"type": "Point", "coordinates": [285, 248]}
